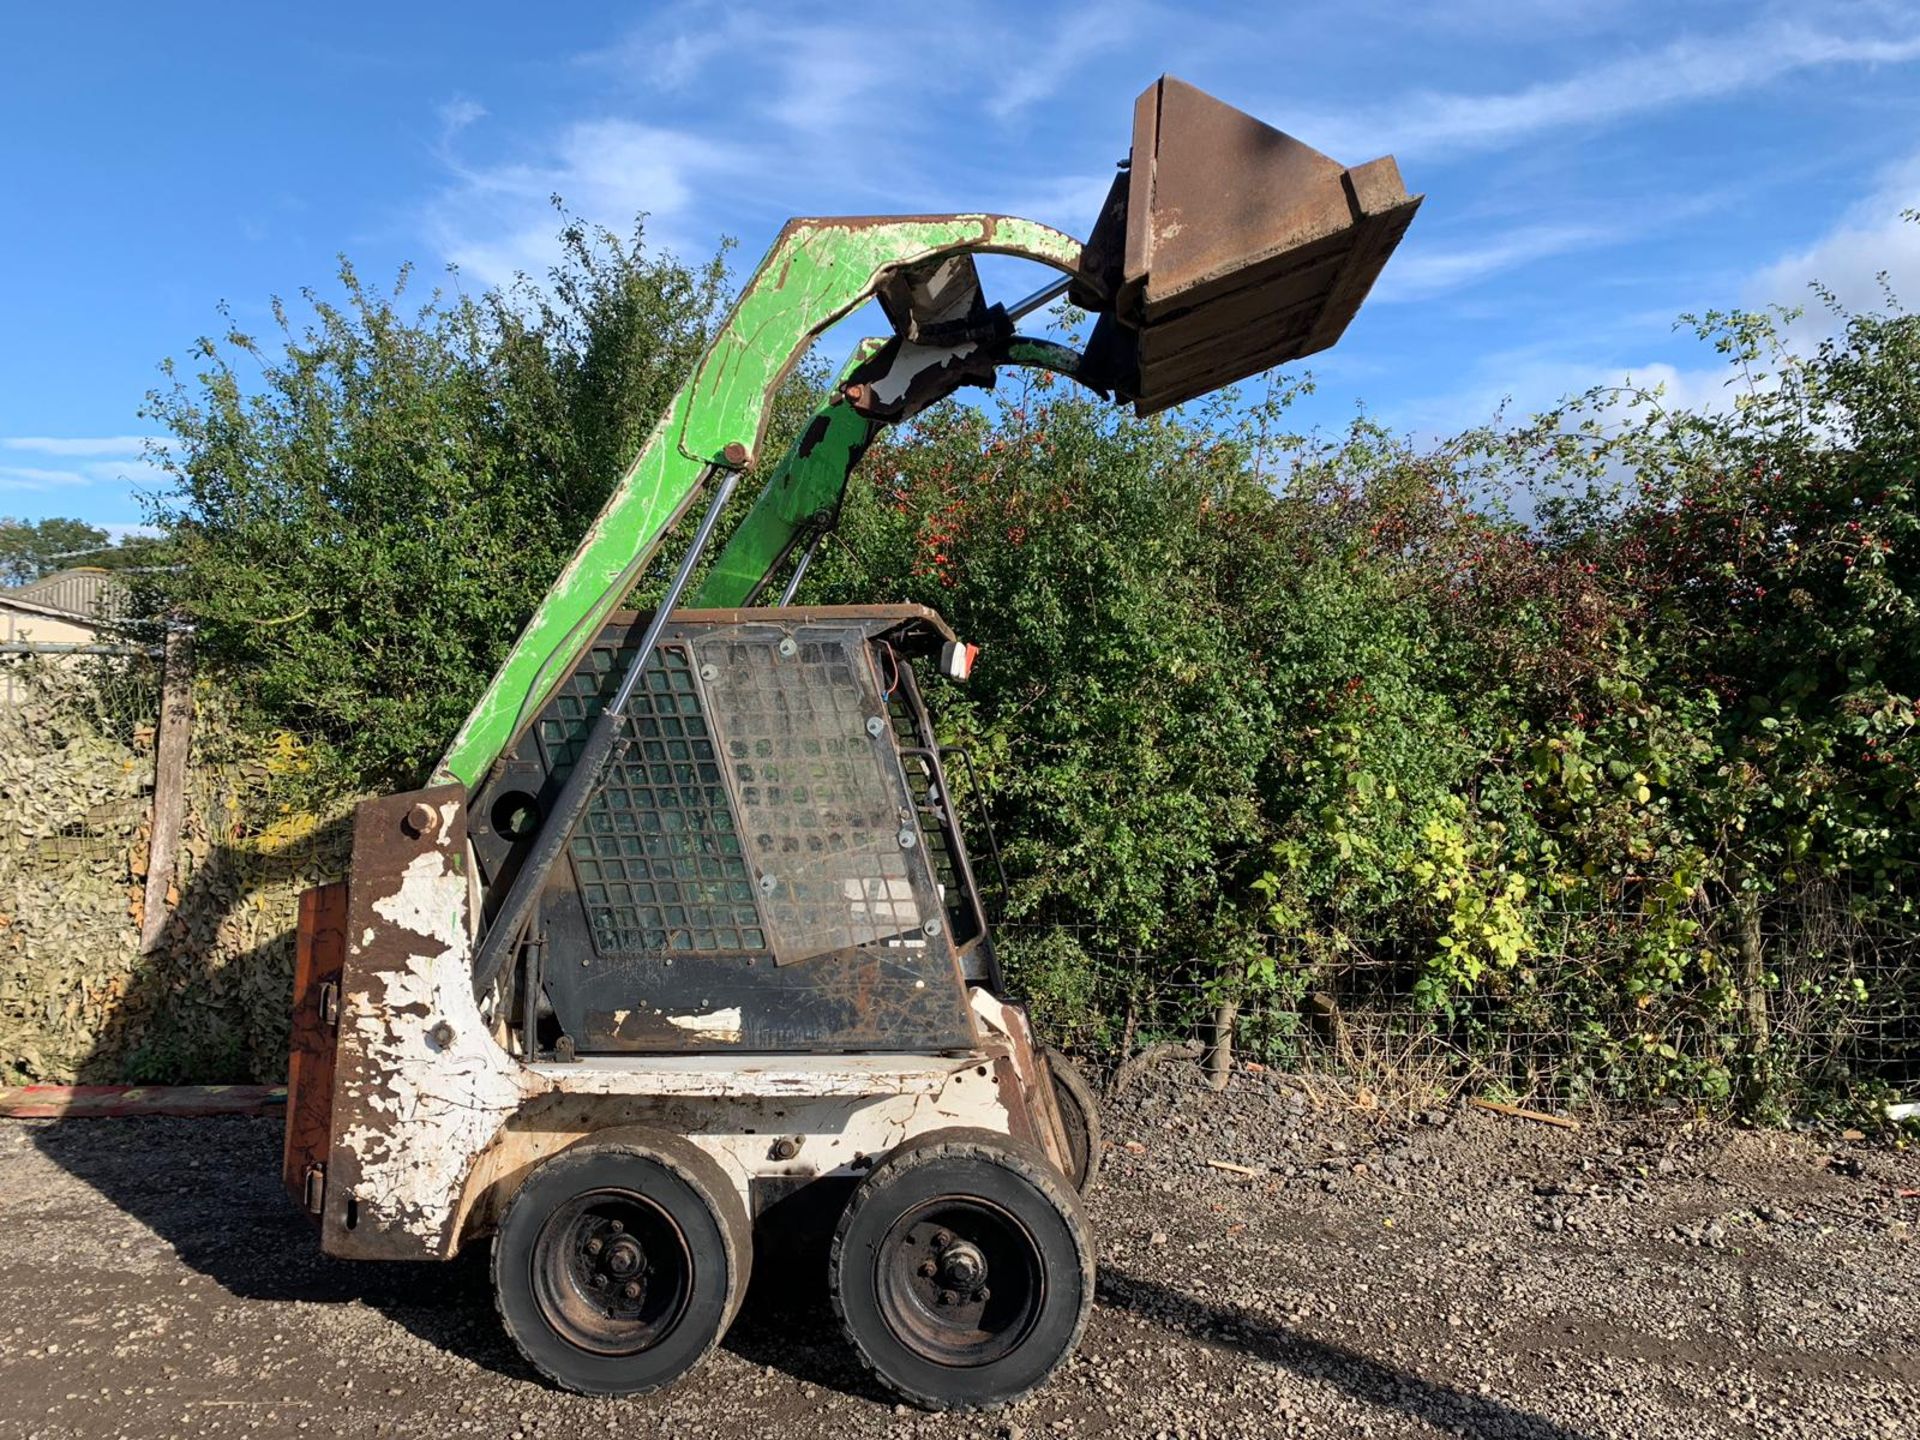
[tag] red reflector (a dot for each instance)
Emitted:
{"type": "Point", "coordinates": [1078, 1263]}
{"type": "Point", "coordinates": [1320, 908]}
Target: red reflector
{"type": "Point", "coordinates": [956, 659]}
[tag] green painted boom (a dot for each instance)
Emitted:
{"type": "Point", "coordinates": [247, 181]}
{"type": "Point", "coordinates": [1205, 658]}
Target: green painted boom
{"type": "Point", "coordinates": [817, 272]}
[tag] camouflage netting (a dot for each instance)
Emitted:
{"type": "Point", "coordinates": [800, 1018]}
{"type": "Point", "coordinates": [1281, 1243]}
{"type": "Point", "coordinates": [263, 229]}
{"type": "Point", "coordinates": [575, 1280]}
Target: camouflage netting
{"type": "Point", "coordinates": [77, 999]}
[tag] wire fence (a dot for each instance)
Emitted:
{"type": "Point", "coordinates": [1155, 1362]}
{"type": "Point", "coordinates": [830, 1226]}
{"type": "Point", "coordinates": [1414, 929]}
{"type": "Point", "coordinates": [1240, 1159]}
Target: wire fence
{"type": "Point", "coordinates": [1813, 1003]}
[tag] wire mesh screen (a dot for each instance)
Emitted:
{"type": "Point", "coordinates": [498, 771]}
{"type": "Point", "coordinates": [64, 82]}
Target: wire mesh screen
{"type": "Point", "coordinates": [657, 857]}
{"type": "Point", "coordinates": [821, 824]}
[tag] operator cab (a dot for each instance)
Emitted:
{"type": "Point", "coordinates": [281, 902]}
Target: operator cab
{"type": "Point", "coordinates": [773, 861]}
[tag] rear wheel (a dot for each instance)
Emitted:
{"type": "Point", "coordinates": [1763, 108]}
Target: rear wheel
{"type": "Point", "coordinates": [619, 1265]}
{"type": "Point", "coordinates": [962, 1270]}
{"type": "Point", "coordinates": [1080, 1117]}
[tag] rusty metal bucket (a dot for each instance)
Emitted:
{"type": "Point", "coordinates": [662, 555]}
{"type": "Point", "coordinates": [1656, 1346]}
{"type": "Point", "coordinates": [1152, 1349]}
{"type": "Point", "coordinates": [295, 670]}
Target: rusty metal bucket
{"type": "Point", "coordinates": [1227, 247]}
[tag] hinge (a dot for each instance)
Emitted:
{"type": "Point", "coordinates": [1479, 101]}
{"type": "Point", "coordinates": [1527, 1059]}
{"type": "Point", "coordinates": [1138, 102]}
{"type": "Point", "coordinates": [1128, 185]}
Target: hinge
{"type": "Point", "coordinates": [330, 1004]}
{"type": "Point", "coordinates": [316, 1189]}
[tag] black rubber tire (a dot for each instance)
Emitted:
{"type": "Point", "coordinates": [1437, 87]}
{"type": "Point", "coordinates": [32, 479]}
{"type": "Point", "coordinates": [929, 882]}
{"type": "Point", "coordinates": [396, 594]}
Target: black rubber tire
{"type": "Point", "coordinates": [1014, 1181]}
{"type": "Point", "coordinates": [692, 1199]}
{"type": "Point", "coordinates": [1080, 1117]}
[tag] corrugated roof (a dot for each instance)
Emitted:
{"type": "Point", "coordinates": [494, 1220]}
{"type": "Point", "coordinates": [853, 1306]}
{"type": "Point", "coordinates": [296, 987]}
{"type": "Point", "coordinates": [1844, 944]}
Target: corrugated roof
{"type": "Point", "coordinates": [86, 591]}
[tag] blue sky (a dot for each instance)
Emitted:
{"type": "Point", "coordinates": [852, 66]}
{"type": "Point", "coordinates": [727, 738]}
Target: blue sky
{"type": "Point", "coordinates": [1592, 167]}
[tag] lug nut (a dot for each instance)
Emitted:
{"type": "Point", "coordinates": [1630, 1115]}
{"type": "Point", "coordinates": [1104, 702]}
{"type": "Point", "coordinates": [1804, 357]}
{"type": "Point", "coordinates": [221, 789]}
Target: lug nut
{"type": "Point", "coordinates": [928, 1269]}
{"type": "Point", "coordinates": [947, 1297]}
{"type": "Point", "coordinates": [631, 1290]}
{"type": "Point", "coordinates": [594, 1246]}
{"type": "Point", "coordinates": [983, 1294]}
{"type": "Point", "coordinates": [617, 1226]}
{"type": "Point", "coordinates": [942, 1240]}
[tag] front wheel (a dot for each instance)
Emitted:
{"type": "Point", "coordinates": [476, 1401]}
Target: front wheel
{"type": "Point", "coordinates": [619, 1265]}
{"type": "Point", "coordinates": [1080, 1118]}
{"type": "Point", "coordinates": [962, 1270]}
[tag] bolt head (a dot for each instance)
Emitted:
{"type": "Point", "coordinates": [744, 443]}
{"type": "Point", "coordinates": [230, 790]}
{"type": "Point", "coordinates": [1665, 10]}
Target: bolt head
{"type": "Point", "coordinates": [421, 819]}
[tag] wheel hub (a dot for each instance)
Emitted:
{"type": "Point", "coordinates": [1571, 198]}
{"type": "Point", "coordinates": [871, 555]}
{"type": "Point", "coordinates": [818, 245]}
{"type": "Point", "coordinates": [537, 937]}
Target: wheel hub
{"type": "Point", "coordinates": [962, 1265]}
{"type": "Point", "coordinates": [613, 1274]}
{"type": "Point", "coordinates": [623, 1257]}
{"type": "Point", "coordinates": [934, 1295]}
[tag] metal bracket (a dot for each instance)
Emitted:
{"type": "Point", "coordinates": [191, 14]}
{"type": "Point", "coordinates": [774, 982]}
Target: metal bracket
{"type": "Point", "coordinates": [314, 1189]}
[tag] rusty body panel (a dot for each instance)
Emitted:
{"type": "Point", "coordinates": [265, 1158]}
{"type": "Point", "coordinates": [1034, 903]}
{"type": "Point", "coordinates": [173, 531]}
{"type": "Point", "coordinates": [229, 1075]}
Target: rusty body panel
{"type": "Point", "coordinates": [1230, 247]}
{"type": "Point", "coordinates": [319, 951]}
{"type": "Point", "coordinates": [419, 1082]}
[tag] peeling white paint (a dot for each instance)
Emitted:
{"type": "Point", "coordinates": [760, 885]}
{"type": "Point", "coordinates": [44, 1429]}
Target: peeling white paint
{"type": "Point", "coordinates": [721, 1025]}
{"type": "Point", "coordinates": [910, 361]}
{"type": "Point", "coordinates": [430, 900]}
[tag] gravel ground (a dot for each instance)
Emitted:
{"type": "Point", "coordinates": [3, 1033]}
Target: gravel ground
{"type": "Point", "coordinates": [1451, 1273]}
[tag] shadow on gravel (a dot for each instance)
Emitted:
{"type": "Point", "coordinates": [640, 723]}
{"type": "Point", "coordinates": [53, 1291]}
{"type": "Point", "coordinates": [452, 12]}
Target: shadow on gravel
{"type": "Point", "coordinates": [210, 1189]}
{"type": "Point", "coordinates": [1361, 1376]}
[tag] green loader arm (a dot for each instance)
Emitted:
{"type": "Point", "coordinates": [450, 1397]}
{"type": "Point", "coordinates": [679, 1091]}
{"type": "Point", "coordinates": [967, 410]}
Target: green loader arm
{"type": "Point", "coordinates": [817, 272]}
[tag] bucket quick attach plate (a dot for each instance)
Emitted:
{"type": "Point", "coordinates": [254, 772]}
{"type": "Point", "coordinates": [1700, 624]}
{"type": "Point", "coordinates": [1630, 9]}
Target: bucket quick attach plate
{"type": "Point", "coordinates": [1229, 247]}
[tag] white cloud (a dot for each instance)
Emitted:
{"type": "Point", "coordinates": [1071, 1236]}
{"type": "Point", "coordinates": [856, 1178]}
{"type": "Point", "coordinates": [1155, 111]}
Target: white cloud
{"type": "Point", "coordinates": [86, 460]}
{"type": "Point", "coordinates": [32, 477]}
{"type": "Point", "coordinates": [79, 444]}
{"type": "Point", "coordinates": [1690, 69]}
{"type": "Point", "coordinates": [496, 220]}
{"type": "Point", "coordinates": [1423, 272]}
{"type": "Point", "coordinates": [1870, 241]}
{"type": "Point", "coordinates": [734, 116]}
{"type": "Point", "coordinates": [1037, 70]}
{"type": "Point", "coordinates": [457, 114]}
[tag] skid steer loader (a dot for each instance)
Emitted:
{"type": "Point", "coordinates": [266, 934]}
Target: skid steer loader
{"type": "Point", "coordinates": [684, 930]}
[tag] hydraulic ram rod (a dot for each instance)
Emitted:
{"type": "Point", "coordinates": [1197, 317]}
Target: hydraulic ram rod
{"type": "Point", "coordinates": [583, 782]}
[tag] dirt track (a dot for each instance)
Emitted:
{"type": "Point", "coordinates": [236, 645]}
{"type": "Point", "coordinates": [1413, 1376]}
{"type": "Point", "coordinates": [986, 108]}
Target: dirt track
{"type": "Point", "coordinates": [1476, 1276]}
